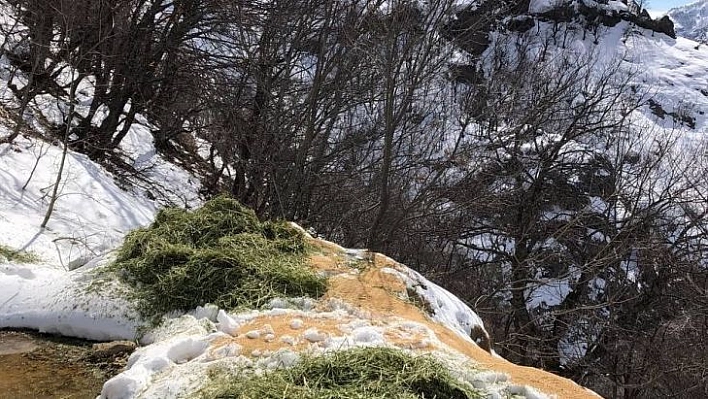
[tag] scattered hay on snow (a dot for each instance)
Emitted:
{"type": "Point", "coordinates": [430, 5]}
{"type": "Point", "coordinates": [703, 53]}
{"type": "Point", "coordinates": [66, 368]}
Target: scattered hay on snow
{"type": "Point", "coordinates": [17, 256]}
{"type": "Point", "coordinates": [356, 373]}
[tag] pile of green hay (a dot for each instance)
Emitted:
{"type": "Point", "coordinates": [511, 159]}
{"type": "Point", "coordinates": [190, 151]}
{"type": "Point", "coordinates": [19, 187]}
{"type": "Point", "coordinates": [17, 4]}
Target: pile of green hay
{"type": "Point", "coordinates": [352, 374]}
{"type": "Point", "coordinates": [11, 255]}
{"type": "Point", "coordinates": [219, 254]}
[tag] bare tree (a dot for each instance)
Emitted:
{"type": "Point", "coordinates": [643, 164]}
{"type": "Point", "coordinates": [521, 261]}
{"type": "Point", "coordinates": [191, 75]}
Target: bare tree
{"type": "Point", "coordinates": [572, 213]}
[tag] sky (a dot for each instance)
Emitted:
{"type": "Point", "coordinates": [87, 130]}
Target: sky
{"type": "Point", "coordinates": [659, 7]}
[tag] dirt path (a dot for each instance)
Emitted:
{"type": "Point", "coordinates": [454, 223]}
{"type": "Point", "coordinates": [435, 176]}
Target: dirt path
{"type": "Point", "coordinates": [40, 366]}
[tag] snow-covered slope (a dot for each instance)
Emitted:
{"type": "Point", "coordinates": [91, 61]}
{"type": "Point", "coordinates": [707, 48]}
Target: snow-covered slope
{"type": "Point", "coordinates": [670, 72]}
{"type": "Point", "coordinates": [691, 20]}
{"type": "Point", "coordinates": [92, 212]}
{"type": "Point", "coordinates": [371, 306]}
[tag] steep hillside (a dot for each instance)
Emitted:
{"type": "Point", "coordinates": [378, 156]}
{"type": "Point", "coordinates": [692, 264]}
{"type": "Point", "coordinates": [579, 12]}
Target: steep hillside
{"type": "Point", "coordinates": [691, 20]}
{"type": "Point", "coordinates": [542, 160]}
{"type": "Point", "coordinates": [667, 72]}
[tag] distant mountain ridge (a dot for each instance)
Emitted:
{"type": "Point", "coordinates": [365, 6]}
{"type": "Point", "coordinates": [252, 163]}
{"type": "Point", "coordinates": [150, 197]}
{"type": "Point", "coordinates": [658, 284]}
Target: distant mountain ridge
{"type": "Point", "coordinates": [691, 21]}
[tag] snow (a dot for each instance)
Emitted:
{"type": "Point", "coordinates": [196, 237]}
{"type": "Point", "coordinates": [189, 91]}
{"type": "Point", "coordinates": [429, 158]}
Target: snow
{"type": "Point", "coordinates": [296, 324]}
{"type": "Point", "coordinates": [49, 300]}
{"type": "Point", "coordinates": [673, 70]}
{"type": "Point", "coordinates": [447, 309]}
{"type": "Point", "coordinates": [690, 20]}
{"type": "Point", "coordinates": [91, 216]}
{"type": "Point", "coordinates": [253, 334]}
{"type": "Point", "coordinates": [92, 213]}
{"type": "Point", "coordinates": [367, 334]}
{"type": "Point", "coordinates": [656, 13]}
{"type": "Point", "coordinates": [548, 292]}
{"type": "Point", "coordinates": [541, 6]}
{"type": "Point", "coordinates": [312, 335]}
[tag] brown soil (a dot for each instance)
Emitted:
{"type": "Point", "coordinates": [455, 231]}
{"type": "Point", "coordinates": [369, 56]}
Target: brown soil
{"type": "Point", "coordinates": [41, 366]}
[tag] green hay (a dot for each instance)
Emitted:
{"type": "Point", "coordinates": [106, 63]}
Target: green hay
{"type": "Point", "coordinates": [11, 255]}
{"type": "Point", "coordinates": [220, 254]}
{"type": "Point", "coordinates": [352, 374]}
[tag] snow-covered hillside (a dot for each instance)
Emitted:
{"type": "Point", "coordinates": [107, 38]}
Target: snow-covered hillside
{"type": "Point", "coordinates": [670, 73]}
{"type": "Point", "coordinates": [53, 279]}
{"type": "Point", "coordinates": [691, 20]}
{"type": "Point", "coordinates": [93, 212]}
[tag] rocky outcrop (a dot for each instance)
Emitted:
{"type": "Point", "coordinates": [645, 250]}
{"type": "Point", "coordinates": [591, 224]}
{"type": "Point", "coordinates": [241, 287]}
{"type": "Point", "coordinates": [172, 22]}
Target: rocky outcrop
{"type": "Point", "coordinates": [595, 14]}
{"type": "Point", "coordinates": [471, 28]}
{"type": "Point", "coordinates": [111, 350]}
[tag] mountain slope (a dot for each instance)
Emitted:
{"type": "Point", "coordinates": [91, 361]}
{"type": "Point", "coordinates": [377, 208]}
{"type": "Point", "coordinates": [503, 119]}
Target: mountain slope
{"type": "Point", "coordinates": [541, 158]}
{"type": "Point", "coordinates": [691, 20]}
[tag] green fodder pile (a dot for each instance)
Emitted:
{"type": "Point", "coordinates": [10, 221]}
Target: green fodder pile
{"type": "Point", "coordinates": [356, 373]}
{"type": "Point", "coordinates": [220, 254]}
{"type": "Point", "coordinates": [10, 255]}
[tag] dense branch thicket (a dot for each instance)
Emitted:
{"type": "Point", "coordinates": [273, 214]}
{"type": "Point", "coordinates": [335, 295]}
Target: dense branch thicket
{"type": "Point", "coordinates": [578, 226]}
{"type": "Point", "coordinates": [522, 178]}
